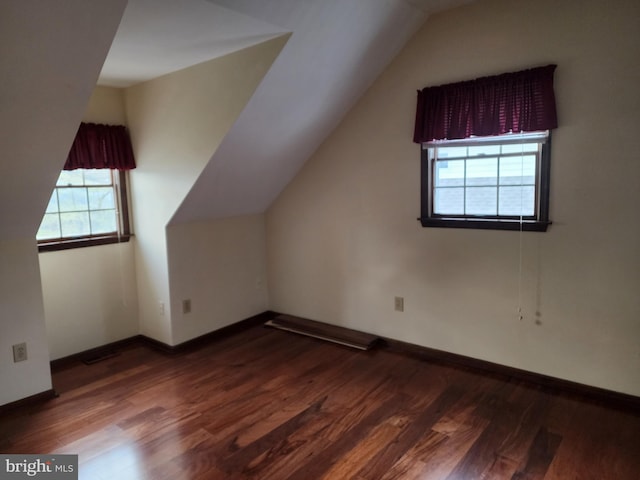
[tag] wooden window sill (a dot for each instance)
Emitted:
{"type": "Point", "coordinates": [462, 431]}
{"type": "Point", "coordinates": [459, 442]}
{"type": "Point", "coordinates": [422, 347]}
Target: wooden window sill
{"type": "Point", "coordinates": [82, 242]}
{"type": "Point", "coordinates": [486, 224]}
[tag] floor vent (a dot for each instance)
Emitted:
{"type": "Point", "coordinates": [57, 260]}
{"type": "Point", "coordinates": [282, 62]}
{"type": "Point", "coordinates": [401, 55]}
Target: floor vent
{"type": "Point", "coordinates": [324, 331]}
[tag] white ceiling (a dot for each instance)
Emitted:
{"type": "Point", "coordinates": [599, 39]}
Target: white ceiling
{"type": "Point", "coordinates": [337, 49]}
{"type": "Point", "coordinates": [156, 37]}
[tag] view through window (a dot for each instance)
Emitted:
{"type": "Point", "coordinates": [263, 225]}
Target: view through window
{"type": "Point", "coordinates": [84, 204]}
{"type": "Point", "coordinates": [497, 178]}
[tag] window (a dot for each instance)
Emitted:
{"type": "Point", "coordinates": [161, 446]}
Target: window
{"type": "Point", "coordinates": [499, 182]}
{"type": "Point", "coordinates": [477, 170]}
{"type": "Point", "coordinates": [87, 207]}
{"type": "Point", "coordinates": [89, 203]}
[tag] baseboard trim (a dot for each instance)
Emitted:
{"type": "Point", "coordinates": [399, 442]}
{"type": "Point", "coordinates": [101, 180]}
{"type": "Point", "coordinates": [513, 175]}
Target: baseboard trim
{"type": "Point", "coordinates": [108, 350]}
{"type": "Point", "coordinates": [259, 319]}
{"type": "Point", "coordinates": [602, 396]}
{"type": "Point", "coordinates": [62, 363]}
{"type": "Point", "coordinates": [609, 398]}
{"type": "Point", "coordinates": [606, 397]}
{"type": "Point", "coordinates": [210, 337]}
{"type": "Point", "coordinates": [28, 401]}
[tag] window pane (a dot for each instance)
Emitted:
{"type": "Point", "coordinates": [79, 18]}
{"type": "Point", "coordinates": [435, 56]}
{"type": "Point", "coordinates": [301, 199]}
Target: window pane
{"type": "Point", "coordinates": [70, 177]}
{"type": "Point", "coordinates": [518, 148]}
{"type": "Point", "coordinates": [53, 203]}
{"type": "Point", "coordinates": [451, 152]}
{"type": "Point", "coordinates": [482, 179]}
{"type": "Point", "coordinates": [101, 198]}
{"type": "Point", "coordinates": [484, 150]}
{"type": "Point", "coordinates": [84, 203]}
{"type": "Point", "coordinates": [49, 228]}
{"type": "Point", "coordinates": [517, 201]}
{"type": "Point", "coordinates": [72, 199]}
{"type": "Point", "coordinates": [449, 173]}
{"type": "Point", "coordinates": [482, 171]}
{"type": "Point", "coordinates": [103, 221]}
{"type": "Point", "coordinates": [97, 177]}
{"type": "Point", "coordinates": [75, 224]}
{"type": "Point", "coordinates": [448, 201]}
{"type": "Point", "coordinates": [482, 201]}
{"type": "Point", "coordinates": [518, 170]}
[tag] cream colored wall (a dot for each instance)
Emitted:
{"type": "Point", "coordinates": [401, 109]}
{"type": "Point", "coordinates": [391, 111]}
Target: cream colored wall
{"type": "Point", "coordinates": [90, 295]}
{"type": "Point", "coordinates": [343, 240]}
{"type": "Point", "coordinates": [221, 267]}
{"type": "Point", "coordinates": [177, 122]}
{"type": "Point", "coordinates": [22, 321]}
{"type": "Point", "coordinates": [106, 105]}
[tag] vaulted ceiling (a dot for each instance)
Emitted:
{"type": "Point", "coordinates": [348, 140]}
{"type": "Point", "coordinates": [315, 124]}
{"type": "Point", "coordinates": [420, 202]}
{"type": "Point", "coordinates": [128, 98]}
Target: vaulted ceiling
{"type": "Point", "coordinates": [336, 50]}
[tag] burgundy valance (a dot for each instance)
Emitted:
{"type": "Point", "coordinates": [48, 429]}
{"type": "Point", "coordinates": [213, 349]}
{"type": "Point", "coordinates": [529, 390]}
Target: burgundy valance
{"type": "Point", "coordinates": [511, 102]}
{"type": "Point", "coordinates": [101, 146]}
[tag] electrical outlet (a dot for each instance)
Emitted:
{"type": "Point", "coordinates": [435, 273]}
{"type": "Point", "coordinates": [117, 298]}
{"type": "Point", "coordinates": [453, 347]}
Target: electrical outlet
{"type": "Point", "coordinates": [19, 352]}
{"type": "Point", "coordinates": [399, 304]}
{"type": "Point", "coordinates": [186, 306]}
{"type": "Point", "coordinates": [161, 307]}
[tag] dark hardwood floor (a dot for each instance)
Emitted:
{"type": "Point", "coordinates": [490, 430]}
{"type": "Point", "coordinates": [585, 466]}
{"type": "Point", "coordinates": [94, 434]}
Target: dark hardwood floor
{"type": "Point", "coordinates": [268, 404]}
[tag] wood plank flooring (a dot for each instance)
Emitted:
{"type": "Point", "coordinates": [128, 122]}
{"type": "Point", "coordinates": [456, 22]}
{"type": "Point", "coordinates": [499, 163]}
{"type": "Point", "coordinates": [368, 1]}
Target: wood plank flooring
{"type": "Point", "coordinates": [266, 404]}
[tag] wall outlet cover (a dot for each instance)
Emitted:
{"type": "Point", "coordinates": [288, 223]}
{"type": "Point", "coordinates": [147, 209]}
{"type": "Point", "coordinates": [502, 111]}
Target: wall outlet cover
{"type": "Point", "coordinates": [19, 352]}
{"type": "Point", "coordinates": [186, 306]}
{"type": "Point", "coordinates": [399, 304]}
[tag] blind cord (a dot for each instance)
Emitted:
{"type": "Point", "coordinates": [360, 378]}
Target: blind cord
{"type": "Point", "coordinates": [520, 236]}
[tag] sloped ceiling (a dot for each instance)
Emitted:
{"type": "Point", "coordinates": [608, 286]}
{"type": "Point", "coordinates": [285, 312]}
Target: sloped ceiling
{"type": "Point", "coordinates": [157, 37]}
{"type": "Point", "coordinates": [337, 49]}
{"type": "Point", "coordinates": [50, 58]}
